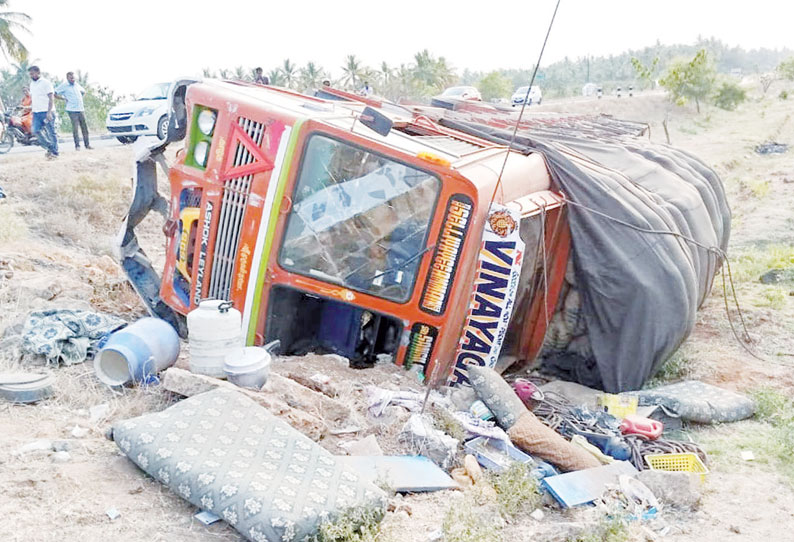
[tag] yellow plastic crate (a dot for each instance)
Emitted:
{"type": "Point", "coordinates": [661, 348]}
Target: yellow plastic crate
{"type": "Point", "coordinates": [688, 462]}
{"type": "Point", "coordinates": [619, 406]}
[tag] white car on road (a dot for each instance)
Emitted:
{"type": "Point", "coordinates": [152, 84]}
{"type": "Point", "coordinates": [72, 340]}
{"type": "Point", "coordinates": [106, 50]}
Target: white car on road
{"type": "Point", "coordinates": [535, 96]}
{"type": "Point", "coordinates": [147, 115]}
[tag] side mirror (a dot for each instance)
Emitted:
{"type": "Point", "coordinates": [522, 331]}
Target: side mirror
{"type": "Point", "coordinates": [376, 121]}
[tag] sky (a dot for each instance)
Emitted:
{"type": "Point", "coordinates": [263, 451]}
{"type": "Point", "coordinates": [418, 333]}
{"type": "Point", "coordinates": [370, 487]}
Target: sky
{"type": "Point", "coordinates": [128, 45]}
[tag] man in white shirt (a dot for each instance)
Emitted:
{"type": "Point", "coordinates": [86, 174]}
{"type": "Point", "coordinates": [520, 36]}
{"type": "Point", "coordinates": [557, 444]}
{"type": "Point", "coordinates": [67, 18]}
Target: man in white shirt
{"type": "Point", "coordinates": [42, 97]}
{"type": "Point", "coordinates": [72, 93]}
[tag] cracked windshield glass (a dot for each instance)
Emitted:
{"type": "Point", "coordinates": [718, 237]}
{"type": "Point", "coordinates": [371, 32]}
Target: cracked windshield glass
{"type": "Point", "coordinates": [359, 219]}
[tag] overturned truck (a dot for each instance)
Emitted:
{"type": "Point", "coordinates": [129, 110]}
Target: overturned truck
{"type": "Point", "coordinates": [433, 237]}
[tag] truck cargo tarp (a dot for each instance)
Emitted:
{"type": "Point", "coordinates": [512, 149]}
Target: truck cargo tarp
{"type": "Point", "coordinates": [635, 209]}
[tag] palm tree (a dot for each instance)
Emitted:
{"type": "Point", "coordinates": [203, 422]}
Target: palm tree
{"type": "Point", "coordinates": [424, 68]}
{"type": "Point", "coordinates": [241, 74]}
{"type": "Point", "coordinates": [206, 72]}
{"type": "Point", "coordinates": [288, 70]}
{"type": "Point", "coordinates": [311, 76]}
{"type": "Point", "coordinates": [351, 70]}
{"type": "Point", "coordinates": [14, 80]}
{"type": "Point", "coordinates": [385, 74]}
{"type": "Point", "coordinates": [276, 77]}
{"type": "Point", "coordinates": [11, 22]}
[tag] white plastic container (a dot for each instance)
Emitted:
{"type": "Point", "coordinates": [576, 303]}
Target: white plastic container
{"type": "Point", "coordinates": [213, 330]}
{"type": "Point", "coordinates": [248, 367]}
{"type": "Point", "coordinates": [138, 352]}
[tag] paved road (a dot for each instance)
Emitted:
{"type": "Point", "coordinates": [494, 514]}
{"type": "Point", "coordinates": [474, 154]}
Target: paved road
{"type": "Point", "coordinates": [65, 145]}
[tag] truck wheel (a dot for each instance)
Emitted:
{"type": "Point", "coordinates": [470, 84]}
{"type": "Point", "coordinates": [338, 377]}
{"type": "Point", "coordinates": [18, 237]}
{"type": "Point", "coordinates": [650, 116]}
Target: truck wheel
{"type": "Point", "coordinates": [126, 140]}
{"type": "Point", "coordinates": [162, 127]}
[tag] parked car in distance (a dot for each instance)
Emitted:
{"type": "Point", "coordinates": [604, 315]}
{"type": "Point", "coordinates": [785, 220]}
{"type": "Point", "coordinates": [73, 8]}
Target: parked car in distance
{"type": "Point", "coordinates": [147, 115]}
{"type": "Point", "coordinates": [462, 93]}
{"type": "Point", "coordinates": [535, 96]}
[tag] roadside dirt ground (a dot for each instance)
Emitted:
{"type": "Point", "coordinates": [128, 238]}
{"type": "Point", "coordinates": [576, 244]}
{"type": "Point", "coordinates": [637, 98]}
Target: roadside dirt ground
{"type": "Point", "coordinates": [57, 229]}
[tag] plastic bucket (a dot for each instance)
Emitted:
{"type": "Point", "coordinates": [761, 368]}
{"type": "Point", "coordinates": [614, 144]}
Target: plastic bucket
{"type": "Point", "coordinates": [137, 352]}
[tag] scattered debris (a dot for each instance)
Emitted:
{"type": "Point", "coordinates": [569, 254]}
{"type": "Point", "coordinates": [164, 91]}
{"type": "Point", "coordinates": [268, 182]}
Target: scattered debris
{"type": "Point", "coordinates": [678, 489]}
{"type": "Point", "coordinates": [771, 148]}
{"type": "Point", "coordinates": [97, 413]}
{"type": "Point", "coordinates": [206, 518]}
{"type": "Point", "coordinates": [61, 456]}
{"type": "Point", "coordinates": [317, 382]}
{"type": "Point", "coordinates": [537, 515]}
{"type": "Point", "coordinates": [19, 387]}
{"type": "Point", "coordinates": [524, 429]}
{"type": "Point", "coordinates": [747, 455]}
{"type": "Point", "coordinates": [112, 513]}
{"type": "Point", "coordinates": [584, 486]}
{"type": "Point", "coordinates": [403, 474]}
{"type": "Point", "coordinates": [61, 445]}
{"type": "Point", "coordinates": [367, 446]}
{"type": "Point", "coordinates": [380, 399]}
{"type": "Point", "coordinates": [419, 433]}
{"type": "Point", "coordinates": [79, 432]}
{"type": "Point", "coordinates": [494, 454]}
{"type": "Point", "coordinates": [66, 336]}
{"type": "Point", "coordinates": [777, 275]}
{"type": "Point", "coordinates": [42, 445]}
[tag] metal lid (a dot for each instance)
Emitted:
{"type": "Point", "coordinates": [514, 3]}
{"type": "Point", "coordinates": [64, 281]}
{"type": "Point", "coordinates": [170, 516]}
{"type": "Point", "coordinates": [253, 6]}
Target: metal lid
{"type": "Point", "coordinates": [246, 360]}
{"type": "Point", "coordinates": [19, 387]}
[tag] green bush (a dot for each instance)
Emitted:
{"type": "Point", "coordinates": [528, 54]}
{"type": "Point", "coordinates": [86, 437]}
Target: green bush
{"type": "Point", "coordinates": [729, 95]}
{"type": "Point", "coordinates": [783, 95]}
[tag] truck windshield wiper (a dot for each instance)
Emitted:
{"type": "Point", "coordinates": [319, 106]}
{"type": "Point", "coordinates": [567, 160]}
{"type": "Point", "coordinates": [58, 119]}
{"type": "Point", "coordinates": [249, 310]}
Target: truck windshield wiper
{"type": "Point", "coordinates": [406, 262]}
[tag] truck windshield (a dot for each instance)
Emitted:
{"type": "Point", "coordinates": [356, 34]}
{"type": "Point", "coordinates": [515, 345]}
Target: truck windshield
{"type": "Point", "coordinates": [358, 219]}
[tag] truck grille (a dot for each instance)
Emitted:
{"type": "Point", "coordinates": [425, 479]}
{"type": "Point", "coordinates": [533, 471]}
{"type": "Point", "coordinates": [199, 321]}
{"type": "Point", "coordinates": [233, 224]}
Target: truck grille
{"type": "Point", "coordinates": [230, 221]}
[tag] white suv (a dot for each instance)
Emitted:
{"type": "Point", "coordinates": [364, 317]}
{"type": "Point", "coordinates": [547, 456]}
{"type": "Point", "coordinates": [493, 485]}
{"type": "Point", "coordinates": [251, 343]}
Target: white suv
{"type": "Point", "coordinates": [535, 96]}
{"type": "Point", "coordinates": [147, 115]}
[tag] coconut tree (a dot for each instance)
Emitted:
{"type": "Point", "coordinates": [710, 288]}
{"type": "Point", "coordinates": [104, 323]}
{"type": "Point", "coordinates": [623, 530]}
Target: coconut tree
{"type": "Point", "coordinates": [13, 80]}
{"type": "Point", "coordinates": [276, 77]}
{"type": "Point", "coordinates": [351, 71]}
{"type": "Point", "coordinates": [311, 76]}
{"type": "Point", "coordinates": [12, 22]}
{"type": "Point", "coordinates": [288, 72]}
{"type": "Point", "coordinates": [241, 74]}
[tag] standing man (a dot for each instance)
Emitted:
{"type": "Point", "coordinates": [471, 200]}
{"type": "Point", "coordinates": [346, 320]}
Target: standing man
{"type": "Point", "coordinates": [261, 79]}
{"type": "Point", "coordinates": [72, 92]}
{"type": "Point", "coordinates": [42, 97]}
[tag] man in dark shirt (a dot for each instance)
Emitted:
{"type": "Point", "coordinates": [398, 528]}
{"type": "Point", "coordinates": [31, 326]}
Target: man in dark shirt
{"type": "Point", "coordinates": [260, 79]}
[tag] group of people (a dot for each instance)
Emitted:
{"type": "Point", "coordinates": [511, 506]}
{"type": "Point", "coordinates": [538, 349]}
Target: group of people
{"type": "Point", "coordinates": [261, 79]}
{"type": "Point", "coordinates": [38, 111]}
{"type": "Point", "coordinates": [42, 96]}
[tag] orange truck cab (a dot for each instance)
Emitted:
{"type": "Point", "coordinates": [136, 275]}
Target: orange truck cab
{"type": "Point", "coordinates": [352, 226]}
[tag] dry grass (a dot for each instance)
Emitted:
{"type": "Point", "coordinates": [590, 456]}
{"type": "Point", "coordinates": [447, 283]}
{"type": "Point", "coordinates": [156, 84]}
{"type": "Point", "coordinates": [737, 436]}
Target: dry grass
{"type": "Point", "coordinates": [14, 227]}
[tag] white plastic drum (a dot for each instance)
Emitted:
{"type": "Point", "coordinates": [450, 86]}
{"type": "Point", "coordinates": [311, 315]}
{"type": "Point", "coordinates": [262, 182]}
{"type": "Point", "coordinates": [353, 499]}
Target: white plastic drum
{"type": "Point", "coordinates": [214, 330]}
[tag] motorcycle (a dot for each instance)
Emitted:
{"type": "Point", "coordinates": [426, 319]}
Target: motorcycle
{"type": "Point", "coordinates": [13, 129]}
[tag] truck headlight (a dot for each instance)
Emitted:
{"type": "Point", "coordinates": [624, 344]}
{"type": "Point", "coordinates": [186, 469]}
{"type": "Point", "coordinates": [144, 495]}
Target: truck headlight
{"type": "Point", "coordinates": [206, 121]}
{"type": "Point", "coordinates": [200, 153]}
